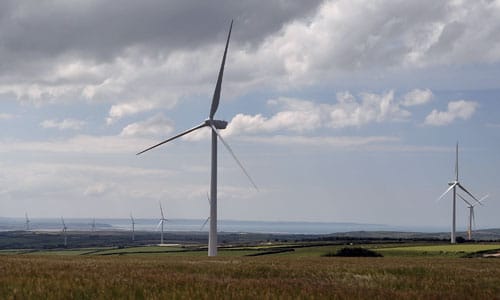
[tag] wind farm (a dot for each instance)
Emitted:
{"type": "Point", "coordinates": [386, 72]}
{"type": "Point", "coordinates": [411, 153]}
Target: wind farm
{"type": "Point", "coordinates": [322, 130]}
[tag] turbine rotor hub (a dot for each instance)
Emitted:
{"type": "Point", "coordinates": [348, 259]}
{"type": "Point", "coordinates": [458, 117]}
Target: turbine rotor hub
{"type": "Point", "coordinates": [219, 124]}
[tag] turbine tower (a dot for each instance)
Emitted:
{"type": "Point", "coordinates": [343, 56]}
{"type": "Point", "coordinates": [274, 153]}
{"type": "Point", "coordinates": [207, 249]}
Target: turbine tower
{"type": "Point", "coordinates": [93, 224]}
{"type": "Point", "coordinates": [27, 221]}
{"type": "Point", "coordinates": [453, 186]}
{"type": "Point", "coordinates": [133, 227]}
{"type": "Point", "coordinates": [214, 125]}
{"type": "Point", "coordinates": [64, 229]}
{"type": "Point", "coordinates": [162, 221]}
{"type": "Point", "coordinates": [472, 216]}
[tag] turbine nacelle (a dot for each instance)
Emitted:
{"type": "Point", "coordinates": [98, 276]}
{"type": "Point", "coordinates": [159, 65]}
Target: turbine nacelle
{"type": "Point", "coordinates": [219, 124]}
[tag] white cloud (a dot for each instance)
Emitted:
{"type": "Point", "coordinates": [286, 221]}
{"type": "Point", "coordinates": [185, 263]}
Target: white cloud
{"type": "Point", "coordinates": [64, 124]}
{"type": "Point", "coordinates": [157, 125]}
{"type": "Point", "coordinates": [301, 115]}
{"type": "Point", "coordinates": [371, 108]}
{"type": "Point", "coordinates": [97, 189]}
{"type": "Point", "coordinates": [6, 116]}
{"type": "Point", "coordinates": [456, 110]}
{"type": "Point", "coordinates": [417, 97]}
{"type": "Point", "coordinates": [121, 110]}
{"type": "Point", "coordinates": [328, 141]}
{"type": "Point", "coordinates": [79, 144]}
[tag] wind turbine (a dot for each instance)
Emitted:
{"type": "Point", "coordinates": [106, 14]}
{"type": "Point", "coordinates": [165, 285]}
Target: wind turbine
{"type": "Point", "coordinates": [453, 186]}
{"type": "Point", "coordinates": [93, 224]}
{"type": "Point", "coordinates": [27, 221]}
{"type": "Point", "coordinates": [162, 221]}
{"type": "Point", "coordinates": [64, 229]}
{"type": "Point", "coordinates": [133, 227]}
{"type": "Point", "coordinates": [472, 216]}
{"type": "Point", "coordinates": [214, 125]}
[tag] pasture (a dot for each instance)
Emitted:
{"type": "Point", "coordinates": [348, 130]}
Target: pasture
{"type": "Point", "coordinates": [173, 272]}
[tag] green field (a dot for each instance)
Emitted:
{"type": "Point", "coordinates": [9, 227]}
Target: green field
{"type": "Point", "coordinates": [456, 250]}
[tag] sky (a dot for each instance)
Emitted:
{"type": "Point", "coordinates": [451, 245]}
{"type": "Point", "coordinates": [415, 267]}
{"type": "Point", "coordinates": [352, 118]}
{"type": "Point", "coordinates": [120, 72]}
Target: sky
{"type": "Point", "coordinates": [341, 111]}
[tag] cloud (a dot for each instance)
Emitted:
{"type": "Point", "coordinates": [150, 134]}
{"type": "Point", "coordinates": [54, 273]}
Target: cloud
{"type": "Point", "coordinates": [4, 116]}
{"type": "Point", "coordinates": [157, 125]}
{"type": "Point", "coordinates": [65, 124]}
{"type": "Point", "coordinates": [126, 109]}
{"type": "Point", "coordinates": [147, 55]}
{"type": "Point", "coordinates": [328, 141]}
{"type": "Point", "coordinates": [300, 116]}
{"type": "Point", "coordinates": [97, 189]}
{"type": "Point", "coordinates": [79, 144]}
{"type": "Point", "coordinates": [417, 97]}
{"type": "Point", "coordinates": [461, 109]}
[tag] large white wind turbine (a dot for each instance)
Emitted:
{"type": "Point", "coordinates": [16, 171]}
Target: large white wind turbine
{"type": "Point", "coordinates": [64, 229]}
{"type": "Point", "coordinates": [133, 227]}
{"type": "Point", "coordinates": [472, 216]}
{"type": "Point", "coordinates": [162, 221]}
{"type": "Point", "coordinates": [214, 125]}
{"type": "Point", "coordinates": [27, 221]}
{"type": "Point", "coordinates": [453, 186]}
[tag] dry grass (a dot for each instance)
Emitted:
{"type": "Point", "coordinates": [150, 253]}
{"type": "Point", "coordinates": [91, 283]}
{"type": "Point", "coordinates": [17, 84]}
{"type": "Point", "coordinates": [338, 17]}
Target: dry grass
{"type": "Point", "coordinates": [164, 277]}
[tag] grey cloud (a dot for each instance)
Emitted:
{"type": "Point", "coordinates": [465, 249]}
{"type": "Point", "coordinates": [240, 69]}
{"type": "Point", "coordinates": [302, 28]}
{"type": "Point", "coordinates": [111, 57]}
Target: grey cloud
{"type": "Point", "coordinates": [100, 30]}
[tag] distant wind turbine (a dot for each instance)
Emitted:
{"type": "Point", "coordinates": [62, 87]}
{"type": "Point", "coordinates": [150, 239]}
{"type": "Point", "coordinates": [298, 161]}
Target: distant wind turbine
{"type": "Point", "coordinates": [64, 232]}
{"type": "Point", "coordinates": [27, 221]}
{"type": "Point", "coordinates": [453, 186]}
{"type": "Point", "coordinates": [472, 216]}
{"type": "Point", "coordinates": [214, 125]}
{"type": "Point", "coordinates": [162, 221]}
{"type": "Point", "coordinates": [93, 224]}
{"type": "Point", "coordinates": [133, 227]}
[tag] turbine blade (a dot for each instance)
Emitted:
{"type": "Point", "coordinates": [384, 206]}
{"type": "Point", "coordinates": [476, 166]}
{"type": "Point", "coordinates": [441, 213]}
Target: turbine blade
{"type": "Point", "coordinates": [216, 97]}
{"type": "Point", "coordinates": [161, 210]}
{"type": "Point", "coordinates": [461, 197]}
{"type": "Point", "coordinates": [456, 163]}
{"type": "Point", "coordinates": [449, 189]}
{"type": "Point", "coordinates": [204, 223]}
{"type": "Point", "coordinates": [483, 199]}
{"type": "Point", "coordinates": [159, 224]}
{"type": "Point", "coordinates": [465, 190]}
{"type": "Point", "coordinates": [208, 198]}
{"type": "Point", "coordinates": [173, 138]}
{"type": "Point", "coordinates": [235, 158]}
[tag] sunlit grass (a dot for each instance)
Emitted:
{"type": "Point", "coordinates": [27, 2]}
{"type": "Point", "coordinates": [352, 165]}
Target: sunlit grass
{"type": "Point", "coordinates": [455, 250]}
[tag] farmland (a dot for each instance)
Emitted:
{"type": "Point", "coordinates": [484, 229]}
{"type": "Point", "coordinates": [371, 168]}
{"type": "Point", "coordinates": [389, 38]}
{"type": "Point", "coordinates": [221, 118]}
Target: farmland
{"type": "Point", "coordinates": [173, 272]}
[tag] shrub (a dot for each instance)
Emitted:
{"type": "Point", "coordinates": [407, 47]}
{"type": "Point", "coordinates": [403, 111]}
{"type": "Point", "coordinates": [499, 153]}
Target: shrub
{"type": "Point", "coordinates": [354, 252]}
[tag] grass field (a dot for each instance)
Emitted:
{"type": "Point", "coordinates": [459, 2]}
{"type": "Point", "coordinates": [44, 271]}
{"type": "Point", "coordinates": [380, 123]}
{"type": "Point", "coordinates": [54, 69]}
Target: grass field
{"type": "Point", "coordinates": [190, 277]}
{"type": "Point", "coordinates": [410, 271]}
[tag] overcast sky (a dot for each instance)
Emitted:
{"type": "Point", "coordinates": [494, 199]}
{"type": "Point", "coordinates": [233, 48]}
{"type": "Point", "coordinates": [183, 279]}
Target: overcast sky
{"type": "Point", "coordinates": [342, 111]}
